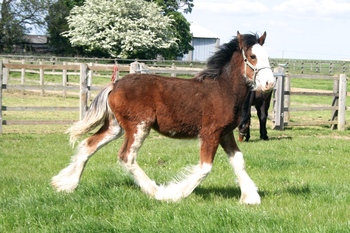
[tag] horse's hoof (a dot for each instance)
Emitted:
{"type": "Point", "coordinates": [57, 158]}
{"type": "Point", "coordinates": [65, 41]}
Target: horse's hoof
{"type": "Point", "coordinates": [63, 184]}
{"type": "Point", "coordinates": [253, 199]}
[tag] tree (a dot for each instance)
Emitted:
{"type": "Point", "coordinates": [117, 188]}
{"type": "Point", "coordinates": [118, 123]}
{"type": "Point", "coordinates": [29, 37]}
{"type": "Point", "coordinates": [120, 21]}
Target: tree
{"type": "Point", "coordinates": [19, 17]}
{"type": "Point", "coordinates": [181, 30]}
{"type": "Point", "coordinates": [124, 28]}
{"type": "Point", "coordinates": [11, 31]}
{"type": "Point", "coordinates": [180, 26]}
{"type": "Point", "coordinates": [57, 23]}
{"type": "Point", "coordinates": [174, 5]}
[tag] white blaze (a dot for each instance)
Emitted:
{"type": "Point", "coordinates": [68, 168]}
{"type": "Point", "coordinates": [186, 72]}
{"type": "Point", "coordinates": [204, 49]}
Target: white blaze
{"type": "Point", "coordinates": [264, 79]}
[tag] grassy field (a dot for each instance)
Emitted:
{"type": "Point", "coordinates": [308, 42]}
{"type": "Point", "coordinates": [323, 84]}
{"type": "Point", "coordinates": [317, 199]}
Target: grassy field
{"type": "Point", "coordinates": [302, 175]}
{"type": "Point", "coordinates": [298, 101]}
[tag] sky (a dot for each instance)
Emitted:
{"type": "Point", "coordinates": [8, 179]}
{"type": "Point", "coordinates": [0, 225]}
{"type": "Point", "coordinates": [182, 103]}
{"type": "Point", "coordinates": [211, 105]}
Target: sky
{"type": "Point", "coordinates": [297, 29]}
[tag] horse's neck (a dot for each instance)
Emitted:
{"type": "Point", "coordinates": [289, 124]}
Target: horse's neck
{"type": "Point", "coordinates": [236, 80]}
{"type": "Point", "coordinates": [235, 69]}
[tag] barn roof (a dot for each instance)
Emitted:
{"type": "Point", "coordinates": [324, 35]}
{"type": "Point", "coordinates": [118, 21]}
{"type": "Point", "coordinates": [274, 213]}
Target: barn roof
{"type": "Point", "coordinates": [36, 39]}
{"type": "Point", "coordinates": [200, 32]}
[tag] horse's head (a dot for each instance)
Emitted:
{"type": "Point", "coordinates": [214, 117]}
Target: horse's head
{"type": "Point", "coordinates": [256, 66]}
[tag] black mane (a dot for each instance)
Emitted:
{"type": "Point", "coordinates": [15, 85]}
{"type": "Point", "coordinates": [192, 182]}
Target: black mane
{"type": "Point", "coordinates": [217, 62]}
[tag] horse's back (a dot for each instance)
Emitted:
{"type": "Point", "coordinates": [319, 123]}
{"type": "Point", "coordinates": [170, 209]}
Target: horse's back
{"type": "Point", "coordinates": [151, 90]}
{"type": "Point", "coordinates": [166, 104]}
{"type": "Point", "coordinates": [172, 106]}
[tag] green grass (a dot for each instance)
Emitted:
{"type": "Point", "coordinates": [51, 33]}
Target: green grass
{"type": "Point", "coordinates": [100, 78]}
{"type": "Point", "coordinates": [317, 84]}
{"type": "Point", "coordinates": [302, 174]}
{"type": "Point", "coordinates": [297, 101]}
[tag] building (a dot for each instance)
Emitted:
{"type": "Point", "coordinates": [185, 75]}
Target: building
{"type": "Point", "coordinates": [204, 42]}
{"type": "Point", "coordinates": [36, 44]}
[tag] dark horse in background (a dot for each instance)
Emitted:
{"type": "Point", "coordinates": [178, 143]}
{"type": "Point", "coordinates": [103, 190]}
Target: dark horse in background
{"type": "Point", "coordinates": [207, 107]}
{"type": "Point", "coordinates": [261, 100]}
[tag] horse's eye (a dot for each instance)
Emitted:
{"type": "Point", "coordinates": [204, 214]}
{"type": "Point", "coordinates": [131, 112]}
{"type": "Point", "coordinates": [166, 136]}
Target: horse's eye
{"type": "Point", "coordinates": [252, 56]}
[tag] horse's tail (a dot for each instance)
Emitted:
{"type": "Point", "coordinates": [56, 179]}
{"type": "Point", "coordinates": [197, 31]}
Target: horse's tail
{"type": "Point", "coordinates": [96, 115]}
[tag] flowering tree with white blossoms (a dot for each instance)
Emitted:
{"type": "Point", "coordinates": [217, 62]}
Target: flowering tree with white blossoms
{"type": "Point", "coordinates": [121, 27]}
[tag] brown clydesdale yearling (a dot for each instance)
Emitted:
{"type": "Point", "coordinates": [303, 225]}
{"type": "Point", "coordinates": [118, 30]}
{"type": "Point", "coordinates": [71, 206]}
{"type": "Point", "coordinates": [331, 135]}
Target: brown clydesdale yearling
{"type": "Point", "coordinates": [205, 107]}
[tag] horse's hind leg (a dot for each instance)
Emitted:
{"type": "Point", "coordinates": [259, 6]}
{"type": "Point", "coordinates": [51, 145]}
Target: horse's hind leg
{"type": "Point", "coordinates": [68, 179]}
{"type": "Point", "coordinates": [249, 194]}
{"type": "Point", "coordinates": [134, 137]}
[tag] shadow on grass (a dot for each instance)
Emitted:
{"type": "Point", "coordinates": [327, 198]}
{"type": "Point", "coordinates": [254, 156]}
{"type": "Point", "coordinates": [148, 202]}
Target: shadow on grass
{"type": "Point", "coordinates": [235, 193]}
{"type": "Point", "coordinates": [303, 190]}
{"type": "Point", "coordinates": [279, 138]}
{"type": "Point", "coordinates": [226, 193]}
{"type": "Point", "coordinates": [207, 193]}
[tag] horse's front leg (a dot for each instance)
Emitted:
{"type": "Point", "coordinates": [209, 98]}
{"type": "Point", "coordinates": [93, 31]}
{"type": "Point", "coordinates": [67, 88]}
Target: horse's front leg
{"type": "Point", "coordinates": [249, 194]}
{"type": "Point", "coordinates": [262, 115]}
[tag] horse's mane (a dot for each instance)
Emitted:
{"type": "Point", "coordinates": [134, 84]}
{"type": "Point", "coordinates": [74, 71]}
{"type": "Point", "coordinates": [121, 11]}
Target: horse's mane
{"type": "Point", "coordinates": [218, 61]}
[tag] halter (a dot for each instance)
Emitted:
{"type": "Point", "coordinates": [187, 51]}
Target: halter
{"type": "Point", "coordinates": [254, 68]}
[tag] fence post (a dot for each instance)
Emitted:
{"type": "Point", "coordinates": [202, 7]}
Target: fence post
{"type": "Point", "coordinates": [279, 99]}
{"type": "Point", "coordinates": [64, 80]}
{"type": "Point", "coordinates": [1, 72]}
{"type": "Point", "coordinates": [335, 102]}
{"type": "Point", "coordinates": [5, 73]}
{"type": "Point", "coordinates": [134, 66]}
{"type": "Point", "coordinates": [342, 100]}
{"type": "Point", "coordinates": [89, 81]}
{"type": "Point", "coordinates": [286, 96]}
{"type": "Point", "coordinates": [116, 66]}
{"type": "Point", "coordinates": [41, 78]}
{"type": "Point", "coordinates": [23, 75]}
{"type": "Point", "coordinates": [83, 90]}
{"type": "Point", "coordinates": [173, 67]}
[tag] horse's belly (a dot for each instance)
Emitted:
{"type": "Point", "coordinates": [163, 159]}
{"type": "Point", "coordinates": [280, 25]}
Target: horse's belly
{"type": "Point", "coordinates": [176, 129]}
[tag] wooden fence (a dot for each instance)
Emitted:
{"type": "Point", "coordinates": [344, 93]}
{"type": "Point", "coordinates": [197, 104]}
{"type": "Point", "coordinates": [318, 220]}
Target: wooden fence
{"type": "Point", "coordinates": [84, 88]}
{"type": "Point", "coordinates": [294, 66]}
{"type": "Point", "coordinates": [282, 102]}
{"type": "Point", "coordinates": [281, 96]}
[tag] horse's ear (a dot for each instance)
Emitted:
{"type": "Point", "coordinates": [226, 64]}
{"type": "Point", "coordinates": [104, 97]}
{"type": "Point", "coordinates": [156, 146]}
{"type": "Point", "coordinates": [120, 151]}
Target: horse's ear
{"type": "Point", "coordinates": [262, 39]}
{"type": "Point", "coordinates": [240, 40]}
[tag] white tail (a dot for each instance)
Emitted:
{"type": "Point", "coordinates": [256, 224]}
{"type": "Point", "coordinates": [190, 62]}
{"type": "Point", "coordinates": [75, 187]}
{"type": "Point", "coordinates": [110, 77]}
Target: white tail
{"type": "Point", "coordinates": [97, 113]}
